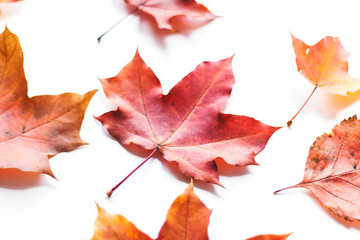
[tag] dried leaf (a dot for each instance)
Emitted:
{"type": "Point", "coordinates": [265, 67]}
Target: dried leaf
{"type": "Point", "coordinates": [32, 130]}
{"type": "Point", "coordinates": [332, 170]}
{"type": "Point", "coordinates": [186, 125]}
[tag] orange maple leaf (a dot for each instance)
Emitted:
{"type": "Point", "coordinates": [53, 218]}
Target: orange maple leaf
{"type": "Point", "coordinates": [187, 218]}
{"type": "Point", "coordinates": [32, 130]}
{"type": "Point", "coordinates": [325, 65]}
{"type": "Point", "coordinates": [270, 237]}
{"type": "Point", "coordinates": [332, 170]}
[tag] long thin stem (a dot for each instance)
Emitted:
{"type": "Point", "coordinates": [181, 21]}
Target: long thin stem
{"type": "Point", "coordinates": [117, 23]}
{"type": "Point", "coordinates": [295, 186]}
{"type": "Point", "coordinates": [289, 123]}
{"type": "Point", "coordinates": [110, 192]}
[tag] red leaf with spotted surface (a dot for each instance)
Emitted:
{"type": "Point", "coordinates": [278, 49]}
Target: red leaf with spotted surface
{"type": "Point", "coordinates": [332, 170]}
{"type": "Point", "coordinates": [32, 130]}
{"type": "Point", "coordinates": [186, 126]}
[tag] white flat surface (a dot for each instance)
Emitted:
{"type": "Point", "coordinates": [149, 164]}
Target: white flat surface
{"type": "Point", "coordinates": [62, 55]}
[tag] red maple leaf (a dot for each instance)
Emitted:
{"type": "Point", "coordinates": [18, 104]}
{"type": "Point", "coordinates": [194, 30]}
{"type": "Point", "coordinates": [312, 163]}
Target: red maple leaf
{"type": "Point", "coordinates": [332, 170]}
{"type": "Point", "coordinates": [166, 12]}
{"type": "Point", "coordinates": [171, 15]}
{"type": "Point", "coordinates": [185, 126]}
{"type": "Point", "coordinates": [32, 130]}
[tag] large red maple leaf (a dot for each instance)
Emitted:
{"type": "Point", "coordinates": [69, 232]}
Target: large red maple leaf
{"type": "Point", "coordinates": [34, 129]}
{"type": "Point", "coordinates": [185, 126]}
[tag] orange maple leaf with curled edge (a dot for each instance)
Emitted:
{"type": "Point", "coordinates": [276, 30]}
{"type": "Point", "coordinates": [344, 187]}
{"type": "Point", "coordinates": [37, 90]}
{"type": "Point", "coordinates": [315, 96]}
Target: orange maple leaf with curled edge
{"type": "Point", "coordinates": [332, 170]}
{"type": "Point", "coordinates": [270, 237]}
{"type": "Point", "coordinates": [187, 219]}
{"type": "Point", "coordinates": [185, 126]}
{"type": "Point", "coordinates": [325, 65]}
{"type": "Point", "coordinates": [32, 130]}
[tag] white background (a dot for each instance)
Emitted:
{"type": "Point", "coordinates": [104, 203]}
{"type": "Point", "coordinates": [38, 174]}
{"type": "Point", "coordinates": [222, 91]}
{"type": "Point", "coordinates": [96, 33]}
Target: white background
{"type": "Point", "coordinates": [62, 55]}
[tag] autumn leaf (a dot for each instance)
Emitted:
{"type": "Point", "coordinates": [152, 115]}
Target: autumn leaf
{"type": "Point", "coordinates": [186, 125]}
{"type": "Point", "coordinates": [32, 130]}
{"type": "Point", "coordinates": [332, 170]}
{"type": "Point", "coordinates": [270, 237]}
{"type": "Point", "coordinates": [8, 1]}
{"type": "Point", "coordinates": [325, 65]}
{"type": "Point", "coordinates": [165, 12]}
{"type": "Point", "coordinates": [168, 13]}
{"type": "Point", "coordinates": [187, 219]}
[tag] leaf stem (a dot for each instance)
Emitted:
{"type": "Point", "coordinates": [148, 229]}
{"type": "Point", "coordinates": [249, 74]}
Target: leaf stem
{"type": "Point", "coordinates": [110, 192]}
{"type": "Point", "coordinates": [289, 123]}
{"type": "Point", "coordinates": [117, 23]}
{"type": "Point", "coordinates": [294, 186]}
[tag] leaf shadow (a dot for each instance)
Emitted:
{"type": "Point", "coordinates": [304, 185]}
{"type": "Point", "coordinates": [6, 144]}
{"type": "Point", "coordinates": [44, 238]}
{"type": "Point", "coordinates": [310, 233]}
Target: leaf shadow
{"type": "Point", "coordinates": [16, 179]}
{"type": "Point", "coordinates": [334, 103]}
{"type": "Point", "coordinates": [173, 169]}
{"type": "Point", "coordinates": [228, 170]}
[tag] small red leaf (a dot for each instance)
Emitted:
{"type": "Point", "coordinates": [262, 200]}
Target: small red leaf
{"type": "Point", "coordinates": [166, 12]}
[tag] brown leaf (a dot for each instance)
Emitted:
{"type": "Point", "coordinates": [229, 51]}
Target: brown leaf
{"type": "Point", "coordinates": [186, 125]}
{"type": "Point", "coordinates": [166, 12]}
{"type": "Point", "coordinates": [187, 219]}
{"type": "Point", "coordinates": [34, 129]}
{"type": "Point", "coordinates": [332, 170]}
